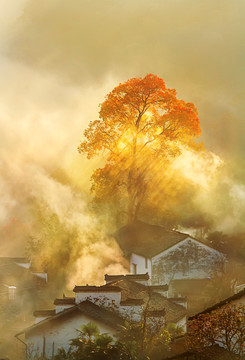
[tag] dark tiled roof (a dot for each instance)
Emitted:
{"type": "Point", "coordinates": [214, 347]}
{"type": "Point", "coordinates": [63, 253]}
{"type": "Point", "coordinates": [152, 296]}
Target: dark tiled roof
{"type": "Point", "coordinates": [220, 304]}
{"type": "Point", "coordinates": [104, 288]}
{"type": "Point", "coordinates": [156, 313]}
{"type": "Point", "coordinates": [214, 352]}
{"type": "Point", "coordinates": [14, 274]}
{"type": "Point", "coordinates": [101, 314]}
{"type": "Point", "coordinates": [37, 270]}
{"type": "Point", "coordinates": [64, 301]}
{"type": "Point", "coordinates": [8, 260]}
{"type": "Point", "coordinates": [134, 277]}
{"type": "Point", "coordinates": [129, 289]}
{"type": "Point", "coordinates": [174, 312]}
{"type": "Point", "coordinates": [180, 299]}
{"type": "Point", "coordinates": [132, 302]}
{"type": "Point", "coordinates": [133, 290]}
{"type": "Point", "coordinates": [146, 240]}
{"type": "Point", "coordinates": [40, 313]}
{"type": "Point", "coordinates": [159, 287]}
{"type": "Point", "coordinates": [87, 308]}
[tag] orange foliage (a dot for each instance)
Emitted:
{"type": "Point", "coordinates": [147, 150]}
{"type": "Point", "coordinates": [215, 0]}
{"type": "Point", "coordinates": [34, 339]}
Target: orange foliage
{"type": "Point", "coordinates": [141, 123]}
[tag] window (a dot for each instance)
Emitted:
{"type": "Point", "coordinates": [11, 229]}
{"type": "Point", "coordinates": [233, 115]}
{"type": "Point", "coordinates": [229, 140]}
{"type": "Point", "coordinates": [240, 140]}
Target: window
{"type": "Point", "coordinates": [134, 268]}
{"type": "Point", "coordinates": [146, 263]}
{"type": "Point", "coordinates": [12, 292]}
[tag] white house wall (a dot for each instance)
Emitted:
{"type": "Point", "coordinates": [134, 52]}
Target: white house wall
{"type": "Point", "coordinates": [112, 301]}
{"type": "Point", "coordinates": [106, 299]}
{"type": "Point", "coordinates": [188, 259]}
{"type": "Point", "coordinates": [182, 323]}
{"type": "Point", "coordinates": [40, 318]}
{"type": "Point", "coordinates": [59, 308]}
{"type": "Point", "coordinates": [141, 262]}
{"type": "Point", "coordinates": [132, 313]}
{"type": "Point", "coordinates": [58, 334]}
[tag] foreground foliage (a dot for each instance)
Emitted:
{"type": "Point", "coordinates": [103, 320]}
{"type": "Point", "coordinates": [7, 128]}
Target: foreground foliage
{"type": "Point", "coordinates": [135, 342]}
{"type": "Point", "coordinates": [91, 345]}
{"type": "Point", "coordinates": [224, 326]}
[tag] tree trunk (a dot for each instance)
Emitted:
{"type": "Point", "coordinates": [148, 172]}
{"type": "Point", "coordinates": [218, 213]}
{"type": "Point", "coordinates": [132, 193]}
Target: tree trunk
{"type": "Point", "coordinates": [131, 196]}
{"type": "Point", "coordinates": [132, 181]}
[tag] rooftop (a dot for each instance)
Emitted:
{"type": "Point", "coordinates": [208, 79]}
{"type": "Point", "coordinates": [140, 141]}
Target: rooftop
{"type": "Point", "coordinates": [214, 352]}
{"type": "Point", "coordinates": [64, 301]}
{"type": "Point", "coordinates": [156, 313]}
{"type": "Point", "coordinates": [17, 271]}
{"type": "Point", "coordinates": [104, 288]}
{"type": "Point", "coordinates": [87, 308]}
{"type": "Point", "coordinates": [220, 304]}
{"type": "Point", "coordinates": [8, 260]}
{"type": "Point", "coordinates": [134, 277]}
{"type": "Point", "coordinates": [159, 287]}
{"type": "Point", "coordinates": [133, 290]}
{"type": "Point", "coordinates": [41, 313]}
{"type": "Point", "coordinates": [147, 240]}
{"type": "Point", "coordinates": [132, 302]}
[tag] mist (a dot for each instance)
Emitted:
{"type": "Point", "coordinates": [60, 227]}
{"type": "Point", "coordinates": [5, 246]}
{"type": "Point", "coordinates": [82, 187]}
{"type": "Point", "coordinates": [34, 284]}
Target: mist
{"type": "Point", "coordinates": [59, 59]}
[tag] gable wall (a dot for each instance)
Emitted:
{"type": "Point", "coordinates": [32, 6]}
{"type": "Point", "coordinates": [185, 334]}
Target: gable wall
{"type": "Point", "coordinates": [186, 260]}
{"type": "Point", "coordinates": [99, 298]}
{"type": "Point", "coordinates": [58, 334]}
{"type": "Point", "coordinates": [132, 313]}
{"type": "Point", "coordinates": [40, 318]}
{"type": "Point", "coordinates": [182, 323]}
{"type": "Point", "coordinates": [59, 308]}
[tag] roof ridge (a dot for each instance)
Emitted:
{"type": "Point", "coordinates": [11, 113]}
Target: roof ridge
{"type": "Point", "coordinates": [88, 288]}
{"type": "Point", "coordinates": [219, 304]}
{"type": "Point", "coordinates": [73, 308]}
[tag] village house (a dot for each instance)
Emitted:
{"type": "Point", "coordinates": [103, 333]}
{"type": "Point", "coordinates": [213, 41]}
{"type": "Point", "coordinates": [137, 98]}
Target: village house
{"type": "Point", "coordinates": [123, 297]}
{"type": "Point", "coordinates": [18, 277]}
{"type": "Point", "coordinates": [154, 298]}
{"type": "Point", "coordinates": [55, 328]}
{"type": "Point", "coordinates": [20, 287]}
{"type": "Point", "coordinates": [171, 257]}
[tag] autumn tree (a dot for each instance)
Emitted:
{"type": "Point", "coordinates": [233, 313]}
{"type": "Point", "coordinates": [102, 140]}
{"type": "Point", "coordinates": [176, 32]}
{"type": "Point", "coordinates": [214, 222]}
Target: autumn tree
{"type": "Point", "coordinates": [224, 327]}
{"type": "Point", "coordinates": [141, 126]}
{"type": "Point", "coordinates": [149, 340]}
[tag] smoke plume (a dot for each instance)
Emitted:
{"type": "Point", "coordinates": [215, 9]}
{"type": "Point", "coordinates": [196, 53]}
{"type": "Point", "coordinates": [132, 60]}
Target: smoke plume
{"type": "Point", "coordinates": [57, 62]}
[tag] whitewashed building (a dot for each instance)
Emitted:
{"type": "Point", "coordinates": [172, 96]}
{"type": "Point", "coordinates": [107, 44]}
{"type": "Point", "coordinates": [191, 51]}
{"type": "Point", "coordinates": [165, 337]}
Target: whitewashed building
{"type": "Point", "coordinates": [55, 329]}
{"type": "Point", "coordinates": [168, 255]}
{"type": "Point", "coordinates": [124, 297]}
{"type": "Point", "coordinates": [185, 264]}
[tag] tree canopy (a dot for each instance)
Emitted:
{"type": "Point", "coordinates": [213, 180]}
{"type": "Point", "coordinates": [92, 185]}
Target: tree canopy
{"type": "Point", "coordinates": [142, 125]}
{"type": "Point", "coordinates": [224, 326]}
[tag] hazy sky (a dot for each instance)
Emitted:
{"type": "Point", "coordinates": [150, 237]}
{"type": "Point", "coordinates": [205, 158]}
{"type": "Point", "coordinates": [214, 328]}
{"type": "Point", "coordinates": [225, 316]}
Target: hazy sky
{"type": "Point", "coordinates": [59, 58]}
{"type": "Point", "coordinates": [196, 46]}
